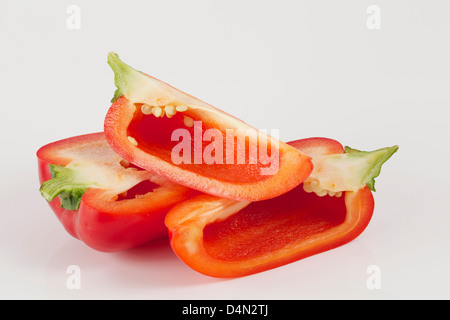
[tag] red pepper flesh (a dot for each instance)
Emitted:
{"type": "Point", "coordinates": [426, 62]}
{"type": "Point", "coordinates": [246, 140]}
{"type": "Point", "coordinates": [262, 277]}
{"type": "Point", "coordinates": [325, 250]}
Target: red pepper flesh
{"type": "Point", "coordinates": [141, 122]}
{"type": "Point", "coordinates": [225, 238]}
{"type": "Point", "coordinates": [106, 221]}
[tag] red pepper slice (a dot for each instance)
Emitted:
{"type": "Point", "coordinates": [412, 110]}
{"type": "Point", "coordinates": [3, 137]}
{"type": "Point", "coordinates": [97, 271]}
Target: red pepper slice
{"type": "Point", "coordinates": [150, 123]}
{"type": "Point", "coordinates": [226, 238]}
{"type": "Point", "coordinates": [99, 198]}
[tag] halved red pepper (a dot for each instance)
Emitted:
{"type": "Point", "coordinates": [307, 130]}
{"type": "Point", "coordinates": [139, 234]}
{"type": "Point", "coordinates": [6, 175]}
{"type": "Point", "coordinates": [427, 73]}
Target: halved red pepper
{"type": "Point", "coordinates": [150, 122]}
{"type": "Point", "coordinates": [225, 238]}
{"type": "Point", "coordinates": [101, 199]}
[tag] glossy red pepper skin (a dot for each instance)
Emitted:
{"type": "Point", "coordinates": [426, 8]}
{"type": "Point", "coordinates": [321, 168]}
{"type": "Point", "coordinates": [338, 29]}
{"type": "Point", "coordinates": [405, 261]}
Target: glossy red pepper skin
{"type": "Point", "coordinates": [225, 238]}
{"type": "Point", "coordinates": [102, 222]}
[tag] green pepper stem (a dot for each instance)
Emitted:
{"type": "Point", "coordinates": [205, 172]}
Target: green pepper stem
{"type": "Point", "coordinates": [376, 158]}
{"type": "Point", "coordinates": [64, 185]}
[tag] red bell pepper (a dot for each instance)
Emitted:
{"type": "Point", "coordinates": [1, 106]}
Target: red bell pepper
{"type": "Point", "coordinates": [101, 199]}
{"type": "Point", "coordinates": [226, 238]}
{"type": "Point", "coordinates": [164, 130]}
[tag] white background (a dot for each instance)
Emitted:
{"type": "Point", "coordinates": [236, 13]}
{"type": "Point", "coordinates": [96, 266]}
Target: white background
{"type": "Point", "coordinates": [308, 68]}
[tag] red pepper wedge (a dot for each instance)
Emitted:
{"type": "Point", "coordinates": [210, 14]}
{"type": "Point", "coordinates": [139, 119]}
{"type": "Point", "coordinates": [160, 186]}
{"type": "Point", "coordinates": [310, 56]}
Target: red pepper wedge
{"type": "Point", "coordinates": [149, 120]}
{"type": "Point", "coordinates": [225, 238]}
{"type": "Point", "coordinates": [101, 199]}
